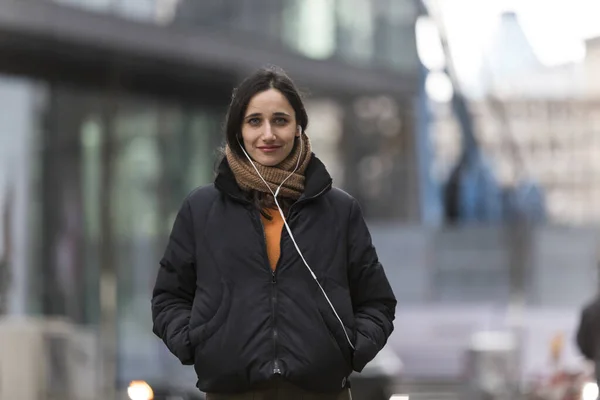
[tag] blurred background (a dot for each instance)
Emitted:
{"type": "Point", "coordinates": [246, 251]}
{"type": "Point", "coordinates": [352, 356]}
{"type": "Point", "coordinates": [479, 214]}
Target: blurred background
{"type": "Point", "coordinates": [469, 130]}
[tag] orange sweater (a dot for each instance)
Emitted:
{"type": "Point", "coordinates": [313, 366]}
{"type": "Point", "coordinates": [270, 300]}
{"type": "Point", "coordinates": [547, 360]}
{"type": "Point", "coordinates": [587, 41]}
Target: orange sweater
{"type": "Point", "coordinates": [273, 230]}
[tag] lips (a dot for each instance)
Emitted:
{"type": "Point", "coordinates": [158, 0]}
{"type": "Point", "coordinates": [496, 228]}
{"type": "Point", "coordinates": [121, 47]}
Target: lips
{"type": "Point", "coordinates": [269, 149]}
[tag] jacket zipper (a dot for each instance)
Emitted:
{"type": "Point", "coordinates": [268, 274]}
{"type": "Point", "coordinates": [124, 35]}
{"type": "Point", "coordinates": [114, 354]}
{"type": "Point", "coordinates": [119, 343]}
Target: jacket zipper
{"type": "Point", "coordinates": [276, 366]}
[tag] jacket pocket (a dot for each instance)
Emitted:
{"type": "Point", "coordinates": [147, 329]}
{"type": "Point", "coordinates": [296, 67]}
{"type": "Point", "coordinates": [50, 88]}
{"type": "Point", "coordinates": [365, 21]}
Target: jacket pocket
{"type": "Point", "coordinates": [343, 349]}
{"type": "Point", "coordinates": [336, 332]}
{"type": "Point", "coordinates": [202, 333]}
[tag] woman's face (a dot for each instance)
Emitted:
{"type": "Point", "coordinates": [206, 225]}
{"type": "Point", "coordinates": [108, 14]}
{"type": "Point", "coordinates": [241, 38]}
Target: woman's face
{"type": "Point", "coordinates": [269, 128]}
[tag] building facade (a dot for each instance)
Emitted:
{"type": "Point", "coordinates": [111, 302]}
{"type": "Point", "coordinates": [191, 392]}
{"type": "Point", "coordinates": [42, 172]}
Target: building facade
{"type": "Point", "coordinates": [112, 113]}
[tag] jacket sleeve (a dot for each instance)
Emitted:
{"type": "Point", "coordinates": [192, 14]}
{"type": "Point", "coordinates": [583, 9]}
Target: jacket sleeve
{"type": "Point", "coordinates": [585, 335]}
{"type": "Point", "coordinates": [373, 300]}
{"type": "Point", "coordinates": [175, 287]}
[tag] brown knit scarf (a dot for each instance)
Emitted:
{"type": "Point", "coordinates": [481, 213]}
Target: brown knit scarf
{"type": "Point", "coordinates": [293, 188]}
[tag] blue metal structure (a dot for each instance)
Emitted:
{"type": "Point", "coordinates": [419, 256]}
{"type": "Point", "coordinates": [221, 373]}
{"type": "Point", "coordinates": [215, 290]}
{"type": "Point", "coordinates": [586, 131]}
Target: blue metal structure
{"type": "Point", "coordinates": [472, 193]}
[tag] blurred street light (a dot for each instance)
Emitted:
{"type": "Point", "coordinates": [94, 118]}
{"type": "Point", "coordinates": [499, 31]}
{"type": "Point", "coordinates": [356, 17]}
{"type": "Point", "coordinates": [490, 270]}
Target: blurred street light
{"type": "Point", "coordinates": [140, 390]}
{"type": "Point", "coordinates": [439, 87]}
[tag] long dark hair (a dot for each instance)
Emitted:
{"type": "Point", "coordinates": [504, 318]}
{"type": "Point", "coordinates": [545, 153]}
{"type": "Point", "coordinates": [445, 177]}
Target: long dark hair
{"type": "Point", "coordinates": [270, 77]}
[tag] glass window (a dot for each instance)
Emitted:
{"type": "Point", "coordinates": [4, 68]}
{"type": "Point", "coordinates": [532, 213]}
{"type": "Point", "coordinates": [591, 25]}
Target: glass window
{"type": "Point", "coordinates": [92, 5]}
{"type": "Point", "coordinates": [92, 137]}
{"type": "Point", "coordinates": [135, 200]}
{"type": "Point", "coordinates": [395, 42]}
{"type": "Point", "coordinates": [310, 27]}
{"type": "Point", "coordinates": [327, 116]}
{"type": "Point", "coordinates": [143, 10]}
{"type": "Point", "coordinates": [19, 100]}
{"type": "Point", "coordinates": [70, 186]}
{"type": "Point", "coordinates": [67, 155]}
{"type": "Point", "coordinates": [162, 152]}
{"type": "Point", "coordinates": [356, 28]}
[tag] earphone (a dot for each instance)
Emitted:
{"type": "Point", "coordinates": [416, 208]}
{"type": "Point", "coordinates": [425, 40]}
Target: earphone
{"type": "Point", "coordinates": [287, 227]}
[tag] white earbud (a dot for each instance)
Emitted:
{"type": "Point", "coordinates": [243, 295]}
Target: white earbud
{"type": "Point", "coordinates": [287, 227]}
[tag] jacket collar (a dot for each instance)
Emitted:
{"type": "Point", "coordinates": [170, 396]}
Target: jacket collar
{"type": "Point", "coordinates": [318, 181]}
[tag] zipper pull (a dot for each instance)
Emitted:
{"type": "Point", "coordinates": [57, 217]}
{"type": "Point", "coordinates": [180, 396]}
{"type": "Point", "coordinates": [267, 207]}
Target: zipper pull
{"type": "Point", "coordinates": [273, 279]}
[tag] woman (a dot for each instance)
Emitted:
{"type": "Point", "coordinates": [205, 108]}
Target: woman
{"type": "Point", "coordinates": [264, 310]}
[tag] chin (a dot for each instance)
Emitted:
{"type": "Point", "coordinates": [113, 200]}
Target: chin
{"type": "Point", "coordinates": [268, 162]}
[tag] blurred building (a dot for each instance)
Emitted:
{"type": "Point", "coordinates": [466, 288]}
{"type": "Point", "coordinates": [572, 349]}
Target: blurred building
{"type": "Point", "coordinates": [538, 125]}
{"type": "Point", "coordinates": [552, 142]}
{"type": "Point", "coordinates": [112, 113]}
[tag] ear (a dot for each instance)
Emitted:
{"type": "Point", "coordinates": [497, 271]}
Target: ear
{"type": "Point", "coordinates": [299, 131]}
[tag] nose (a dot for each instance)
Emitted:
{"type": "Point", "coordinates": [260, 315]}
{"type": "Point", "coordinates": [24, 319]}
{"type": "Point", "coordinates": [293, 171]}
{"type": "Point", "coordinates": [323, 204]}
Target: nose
{"type": "Point", "coordinates": [268, 132]}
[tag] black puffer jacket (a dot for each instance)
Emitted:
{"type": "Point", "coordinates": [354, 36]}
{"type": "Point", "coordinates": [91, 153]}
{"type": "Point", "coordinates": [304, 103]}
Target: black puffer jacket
{"type": "Point", "coordinates": [218, 305]}
{"type": "Point", "coordinates": [588, 331]}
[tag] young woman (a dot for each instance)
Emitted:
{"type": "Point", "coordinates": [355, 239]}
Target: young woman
{"type": "Point", "coordinates": [270, 285]}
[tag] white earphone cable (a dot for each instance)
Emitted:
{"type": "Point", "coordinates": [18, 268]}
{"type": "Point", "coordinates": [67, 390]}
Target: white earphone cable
{"type": "Point", "coordinates": [289, 231]}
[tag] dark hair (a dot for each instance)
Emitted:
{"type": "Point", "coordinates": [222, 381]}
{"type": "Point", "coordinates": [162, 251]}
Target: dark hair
{"type": "Point", "coordinates": [270, 77]}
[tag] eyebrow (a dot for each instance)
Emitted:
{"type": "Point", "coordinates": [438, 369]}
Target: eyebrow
{"type": "Point", "coordinates": [277, 114]}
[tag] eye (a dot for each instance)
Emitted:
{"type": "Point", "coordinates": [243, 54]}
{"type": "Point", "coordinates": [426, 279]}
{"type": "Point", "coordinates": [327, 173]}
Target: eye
{"type": "Point", "coordinates": [254, 121]}
{"type": "Point", "coordinates": [280, 121]}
